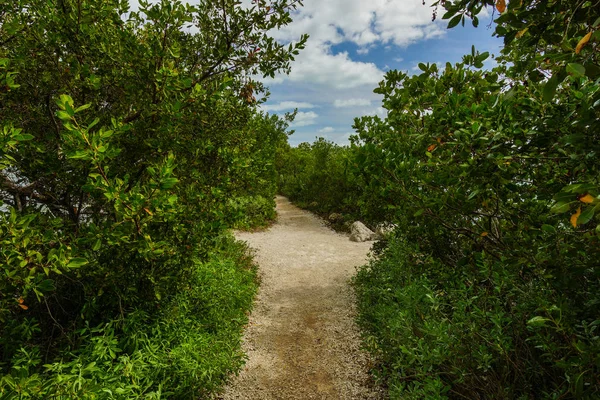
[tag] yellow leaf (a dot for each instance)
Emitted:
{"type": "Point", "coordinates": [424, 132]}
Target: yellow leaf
{"type": "Point", "coordinates": [148, 211]}
{"type": "Point", "coordinates": [484, 234]}
{"type": "Point", "coordinates": [588, 198]}
{"type": "Point", "coordinates": [521, 33]}
{"type": "Point", "coordinates": [583, 42]}
{"type": "Point", "coordinates": [575, 217]}
{"type": "Point", "coordinates": [501, 5]}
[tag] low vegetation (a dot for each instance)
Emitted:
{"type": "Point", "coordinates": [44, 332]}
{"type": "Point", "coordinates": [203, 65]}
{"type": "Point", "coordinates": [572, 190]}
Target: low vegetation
{"type": "Point", "coordinates": [490, 286]}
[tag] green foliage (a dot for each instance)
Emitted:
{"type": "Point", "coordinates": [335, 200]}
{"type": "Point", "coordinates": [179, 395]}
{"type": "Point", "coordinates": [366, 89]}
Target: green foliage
{"type": "Point", "coordinates": [490, 286]}
{"type": "Point", "coordinates": [126, 138]}
{"type": "Point", "coordinates": [470, 170]}
{"type": "Point", "coordinates": [319, 176]}
{"type": "Point", "coordinates": [185, 351]}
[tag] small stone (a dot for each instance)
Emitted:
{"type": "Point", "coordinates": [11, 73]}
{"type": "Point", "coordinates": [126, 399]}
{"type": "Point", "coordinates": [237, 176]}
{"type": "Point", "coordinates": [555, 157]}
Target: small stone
{"type": "Point", "coordinates": [360, 233]}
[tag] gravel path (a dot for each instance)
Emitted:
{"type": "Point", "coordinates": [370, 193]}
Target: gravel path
{"type": "Point", "coordinates": [301, 341]}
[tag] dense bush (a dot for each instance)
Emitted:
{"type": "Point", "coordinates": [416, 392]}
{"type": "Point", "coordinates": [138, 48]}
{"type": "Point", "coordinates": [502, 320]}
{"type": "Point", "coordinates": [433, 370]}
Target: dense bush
{"type": "Point", "coordinates": [319, 177]}
{"type": "Point", "coordinates": [490, 287]}
{"type": "Point", "coordinates": [127, 142]}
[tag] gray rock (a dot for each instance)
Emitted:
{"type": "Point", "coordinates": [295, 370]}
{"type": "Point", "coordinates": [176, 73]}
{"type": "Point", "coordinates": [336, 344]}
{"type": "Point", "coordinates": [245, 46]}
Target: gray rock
{"type": "Point", "coordinates": [360, 233]}
{"type": "Point", "coordinates": [384, 230]}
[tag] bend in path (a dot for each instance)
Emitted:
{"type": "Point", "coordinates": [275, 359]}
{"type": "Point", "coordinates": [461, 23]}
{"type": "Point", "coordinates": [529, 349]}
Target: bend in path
{"type": "Point", "coordinates": [301, 341]}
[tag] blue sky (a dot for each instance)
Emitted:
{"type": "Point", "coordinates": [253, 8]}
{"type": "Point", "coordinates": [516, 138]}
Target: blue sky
{"type": "Point", "coordinates": [352, 44]}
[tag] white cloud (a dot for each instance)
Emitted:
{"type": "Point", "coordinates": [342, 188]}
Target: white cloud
{"type": "Point", "coordinates": [375, 112]}
{"type": "Point", "coordinates": [327, 129]}
{"type": "Point", "coordinates": [344, 140]}
{"type": "Point", "coordinates": [304, 119]}
{"type": "Point", "coordinates": [401, 22]}
{"type": "Point", "coordinates": [317, 64]}
{"type": "Point", "coordinates": [351, 103]}
{"type": "Point", "coordinates": [287, 105]}
{"type": "Point", "coordinates": [363, 23]}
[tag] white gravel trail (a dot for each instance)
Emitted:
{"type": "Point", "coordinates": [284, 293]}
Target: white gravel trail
{"type": "Point", "coordinates": [302, 342]}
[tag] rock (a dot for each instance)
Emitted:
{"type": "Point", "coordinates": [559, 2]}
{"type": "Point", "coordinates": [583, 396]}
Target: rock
{"type": "Point", "coordinates": [335, 217]}
{"type": "Point", "coordinates": [384, 230]}
{"type": "Point", "coordinates": [360, 233]}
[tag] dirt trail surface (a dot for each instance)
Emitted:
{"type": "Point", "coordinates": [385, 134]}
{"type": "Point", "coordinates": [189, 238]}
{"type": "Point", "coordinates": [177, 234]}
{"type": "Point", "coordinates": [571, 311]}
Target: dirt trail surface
{"type": "Point", "coordinates": [301, 340]}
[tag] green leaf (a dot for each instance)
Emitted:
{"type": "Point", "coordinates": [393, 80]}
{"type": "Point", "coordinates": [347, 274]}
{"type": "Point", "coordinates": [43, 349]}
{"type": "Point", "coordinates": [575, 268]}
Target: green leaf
{"type": "Point", "coordinates": [97, 245]}
{"type": "Point", "coordinates": [63, 115]}
{"type": "Point", "coordinates": [550, 88]}
{"type": "Point", "coordinates": [537, 321]}
{"type": "Point", "coordinates": [77, 262]}
{"type": "Point", "coordinates": [23, 137]}
{"type": "Point", "coordinates": [454, 21]}
{"type": "Point", "coordinates": [83, 107]}
{"type": "Point", "coordinates": [93, 123]}
{"type": "Point", "coordinates": [576, 70]}
{"type": "Point", "coordinates": [419, 212]}
{"type": "Point", "coordinates": [106, 134]}
{"type": "Point", "coordinates": [586, 216]}
{"type": "Point", "coordinates": [561, 207]}
{"type": "Point", "coordinates": [46, 285]}
{"type": "Point", "coordinates": [548, 228]}
{"type": "Point", "coordinates": [79, 154]}
{"type": "Point", "coordinates": [168, 183]}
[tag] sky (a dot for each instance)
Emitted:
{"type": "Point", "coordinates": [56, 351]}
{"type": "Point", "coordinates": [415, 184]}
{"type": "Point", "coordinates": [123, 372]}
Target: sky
{"type": "Point", "coordinates": [352, 44]}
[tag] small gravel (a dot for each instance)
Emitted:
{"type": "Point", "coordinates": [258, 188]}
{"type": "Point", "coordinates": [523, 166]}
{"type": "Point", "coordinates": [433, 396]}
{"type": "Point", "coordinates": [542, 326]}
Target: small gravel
{"type": "Point", "coordinates": [301, 341]}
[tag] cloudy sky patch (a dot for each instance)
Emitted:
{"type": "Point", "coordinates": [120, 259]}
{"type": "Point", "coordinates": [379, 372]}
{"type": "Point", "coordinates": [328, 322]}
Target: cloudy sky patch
{"type": "Point", "coordinates": [351, 46]}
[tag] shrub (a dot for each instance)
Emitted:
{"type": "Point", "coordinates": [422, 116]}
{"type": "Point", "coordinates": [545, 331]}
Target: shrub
{"type": "Point", "coordinates": [490, 286]}
{"type": "Point", "coordinates": [124, 134]}
{"type": "Point", "coordinates": [186, 350]}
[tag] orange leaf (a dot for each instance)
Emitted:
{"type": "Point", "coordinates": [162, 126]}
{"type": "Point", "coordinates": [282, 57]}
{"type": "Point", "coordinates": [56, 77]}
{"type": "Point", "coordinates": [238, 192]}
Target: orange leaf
{"type": "Point", "coordinates": [588, 198]}
{"type": "Point", "coordinates": [575, 217]}
{"type": "Point", "coordinates": [484, 234]}
{"type": "Point", "coordinates": [20, 300]}
{"type": "Point", "coordinates": [583, 42]}
{"type": "Point", "coordinates": [148, 211]}
{"type": "Point", "coordinates": [501, 5]}
{"type": "Point", "coordinates": [431, 148]}
{"type": "Point", "coordinates": [23, 306]}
